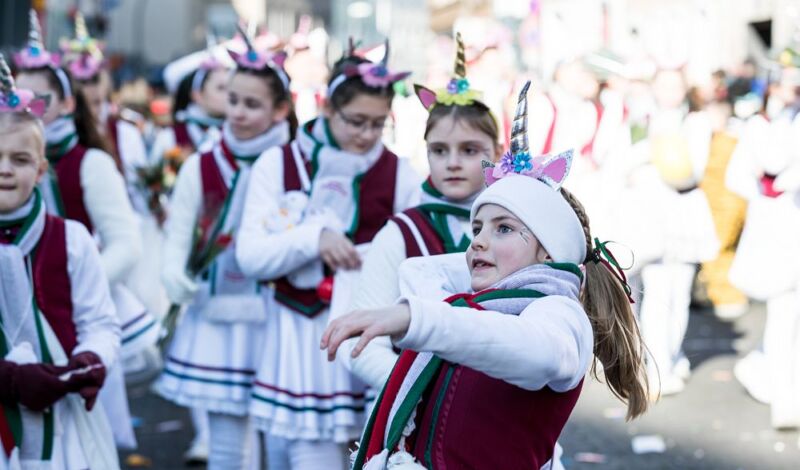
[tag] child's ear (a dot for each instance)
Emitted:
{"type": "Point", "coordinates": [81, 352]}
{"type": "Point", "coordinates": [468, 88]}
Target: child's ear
{"type": "Point", "coordinates": [43, 166]}
{"type": "Point", "coordinates": [68, 105]}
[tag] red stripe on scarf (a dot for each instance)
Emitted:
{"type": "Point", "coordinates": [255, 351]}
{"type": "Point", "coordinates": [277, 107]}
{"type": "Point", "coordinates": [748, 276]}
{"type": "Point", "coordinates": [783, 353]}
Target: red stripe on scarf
{"type": "Point", "coordinates": [390, 392]}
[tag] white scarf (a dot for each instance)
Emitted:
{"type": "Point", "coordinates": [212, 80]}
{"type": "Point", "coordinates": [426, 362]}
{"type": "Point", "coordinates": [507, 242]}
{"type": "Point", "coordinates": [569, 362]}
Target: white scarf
{"type": "Point", "coordinates": [433, 201]}
{"type": "Point", "coordinates": [332, 194]}
{"type": "Point", "coordinates": [198, 123]}
{"type": "Point", "coordinates": [59, 129]}
{"type": "Point", "coordinates": [232, 295]}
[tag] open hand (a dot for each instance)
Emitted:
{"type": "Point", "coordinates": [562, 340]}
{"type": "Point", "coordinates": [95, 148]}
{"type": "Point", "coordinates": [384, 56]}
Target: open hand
{"type": "Point", "coordinates": [390, 321]}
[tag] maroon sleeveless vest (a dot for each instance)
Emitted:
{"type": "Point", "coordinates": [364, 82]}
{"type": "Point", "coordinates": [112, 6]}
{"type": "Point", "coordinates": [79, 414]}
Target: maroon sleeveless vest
{"type": "Point", "coordinates": [375, 207]}
{"type": "Point", "coordinates": [51, 282]}
{"type": "Point", "coordinates": [433, 242]}
{"type": "Point", "coordinates": [182, 137]}
{"type": "Point", "coordinates": [68, 173]}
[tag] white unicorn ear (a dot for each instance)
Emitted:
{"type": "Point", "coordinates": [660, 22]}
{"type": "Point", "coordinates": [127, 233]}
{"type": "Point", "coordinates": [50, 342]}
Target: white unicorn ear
{"type": "Point", "coordinates": [556, 168]}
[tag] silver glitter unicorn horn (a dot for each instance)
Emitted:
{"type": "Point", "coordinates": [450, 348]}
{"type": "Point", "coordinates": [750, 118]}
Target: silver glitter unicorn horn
{"type": "Point", "coordinates": [34, 31]}
{"type": "Point", "coordinates": [460, 68]}
{"type": "Point", "coordinates": [519, 129]}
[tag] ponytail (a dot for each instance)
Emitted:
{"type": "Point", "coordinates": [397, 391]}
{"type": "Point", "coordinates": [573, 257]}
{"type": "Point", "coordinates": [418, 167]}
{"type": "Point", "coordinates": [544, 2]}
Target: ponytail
{"type": "Point", "coordinates": [617, 341]}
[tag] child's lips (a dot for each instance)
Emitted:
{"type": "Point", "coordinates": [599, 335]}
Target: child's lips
{"type": "Point", "coordinates": [480, 264]}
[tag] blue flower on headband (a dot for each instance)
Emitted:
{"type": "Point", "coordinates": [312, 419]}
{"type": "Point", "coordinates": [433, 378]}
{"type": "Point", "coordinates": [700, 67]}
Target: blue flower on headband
{"type": "Point", "coordinates": [452, 87]}
{"type": "Point", "coordinates": [522, 162]}
{"type": "Point", "coordinates": [13, 100]}
{"type": "Point", "coordinates": [252, 55]}
{"type": "Point", "coordinates": [34, 51]}
{"type": "Point", "coordinates": [463, 85]}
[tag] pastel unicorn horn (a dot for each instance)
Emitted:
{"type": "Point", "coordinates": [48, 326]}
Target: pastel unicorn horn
{"type": "Point", "coordinates": [460, 67]}
{"type": "Point", "coordinates": [81, 32]}
{"type": "Point", "coordinates": [6, 79]}
{"type": "Point", "coordinates": [519, 129]}
{"type": "Point", "coordinates": [35, 31]}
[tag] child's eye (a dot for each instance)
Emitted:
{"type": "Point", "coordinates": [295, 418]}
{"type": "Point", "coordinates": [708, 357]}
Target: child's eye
{"type": "Point", "coordinates": [470, 151]}
{"type": "Point", "coordinates": [232, 99]}
{"type": "Point", "coordinates": [438, 151]}
{"type": "Point", "coordinates": [476, 231]}
{"type": "Point", "coordinates": [252, 104]}
{"type": "Point", "coordinates": [502, 228]}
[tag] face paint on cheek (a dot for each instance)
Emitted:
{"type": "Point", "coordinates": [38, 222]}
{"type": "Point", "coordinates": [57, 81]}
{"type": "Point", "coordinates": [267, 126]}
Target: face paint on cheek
{"type": "Point", "coordinates": [526, 235]}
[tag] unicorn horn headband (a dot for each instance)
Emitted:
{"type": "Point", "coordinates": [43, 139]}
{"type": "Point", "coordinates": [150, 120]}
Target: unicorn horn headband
{"type": "Point", "coordinates": [34, 55]}
{"type": "Point", "coordinates": [89, 62]}
{"type": "Point", "coordinates": [253, 59]}
{"type": "Point", "coordinates": [374, 75]}
{"type": "Point", "coordinates": [458, 91]}
{"type": "Point", "coordinates": [15, 100]}
{"type": "Point", "coordinates": [550, 170]}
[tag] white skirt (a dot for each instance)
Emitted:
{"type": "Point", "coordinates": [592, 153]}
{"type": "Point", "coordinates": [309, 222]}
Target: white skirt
{"type": "Point", "coordinates": [212, 365]}
{"type": "Point", "coordinates": [299, 394]}
{"type": "Point", "coordinates": [139, 327]}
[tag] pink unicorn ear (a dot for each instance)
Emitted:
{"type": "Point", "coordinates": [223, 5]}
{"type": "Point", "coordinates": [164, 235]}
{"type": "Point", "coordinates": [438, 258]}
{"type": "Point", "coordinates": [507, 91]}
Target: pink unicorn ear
{"type": "Point", "coordinates": [556, 168]}
{"type": "Point", "coordinates": [234, 55]}
{"type": "Point", "coordinates": [279, 59]}
{"type": "Point", "coordinates": [426, 96]}
{"type": "Point", "coordinates": [38, 106]}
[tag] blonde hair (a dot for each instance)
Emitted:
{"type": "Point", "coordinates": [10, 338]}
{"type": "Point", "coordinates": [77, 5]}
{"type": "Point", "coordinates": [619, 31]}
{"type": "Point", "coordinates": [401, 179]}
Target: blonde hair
{"type": "Point", "coordinates": [617, 341]}
{"type": "Point", "coordinates": [18, 121]}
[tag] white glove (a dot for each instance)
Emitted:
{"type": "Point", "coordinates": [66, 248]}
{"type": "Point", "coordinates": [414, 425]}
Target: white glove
{"type": "Point", "coordinates": [180, 288]}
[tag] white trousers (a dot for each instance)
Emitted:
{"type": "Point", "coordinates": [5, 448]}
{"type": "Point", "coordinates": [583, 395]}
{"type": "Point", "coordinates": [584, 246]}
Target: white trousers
{"type": "Point", "coordinates": [200, 423]}
{"type": "Point", "coordinates": [285, 454]}
{"type": "Point", "coordinates": [229, 441]}
{"type": "Point", "coordinates": [664, 315]}
{"type": "Point", "coordinates": [782, 354]}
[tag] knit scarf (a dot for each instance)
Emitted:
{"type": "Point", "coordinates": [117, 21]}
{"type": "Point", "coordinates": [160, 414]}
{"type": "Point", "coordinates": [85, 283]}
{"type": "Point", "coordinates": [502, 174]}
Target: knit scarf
{"type": "Point", "coordinates": [234, 296]}
{"type": "Point", "coordinates": [22, 325]}
{"type": "Point", "coordinates": [335, 176]}
{"type": "Point", "coordinates": [392, 419]}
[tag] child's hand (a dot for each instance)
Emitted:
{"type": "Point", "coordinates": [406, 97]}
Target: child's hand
{"type": "Point", "coordinates": [337, 251]}
{"type": "Point", "coordinates": [390, 321]}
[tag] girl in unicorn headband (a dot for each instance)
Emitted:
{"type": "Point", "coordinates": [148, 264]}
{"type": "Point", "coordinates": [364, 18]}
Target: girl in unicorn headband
{"type": "Point", "coordinates": [198, 84]}
{"type": "Point", "coordinates": [83, 183]}
{"type": "Point", "coordinates": [550, 299]}
{"type": "Point", "coordinates": [212, 360]}
{"type": "Point", "coordinates": [58, 330]}
{"type": "Point", "coordinates": [461, 132]}
{"type": "Point", "coordinates": [308, 205]}
{"type": "Point", "coordinates": [83, 58]}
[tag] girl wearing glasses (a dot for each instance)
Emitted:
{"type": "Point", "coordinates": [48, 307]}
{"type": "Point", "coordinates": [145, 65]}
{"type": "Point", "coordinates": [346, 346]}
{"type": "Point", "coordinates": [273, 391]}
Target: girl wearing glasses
{"type": "Point", "coordinates": [308, 205]}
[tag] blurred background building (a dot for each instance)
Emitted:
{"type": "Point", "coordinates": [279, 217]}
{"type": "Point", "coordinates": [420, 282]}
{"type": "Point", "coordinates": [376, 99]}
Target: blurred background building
{"type": "Point", "coordinates": [702, 35]}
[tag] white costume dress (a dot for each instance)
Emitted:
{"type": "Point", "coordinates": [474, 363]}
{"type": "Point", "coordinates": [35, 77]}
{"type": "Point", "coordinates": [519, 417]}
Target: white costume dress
{"type": "Point", "coordinates": [766, 262]}
{"type": "Point", "coordinates": [80, 439]}
{"type": "Point", "coordinates": [299, 395]}
{"type": "Point", "coordinates": [109, 211]}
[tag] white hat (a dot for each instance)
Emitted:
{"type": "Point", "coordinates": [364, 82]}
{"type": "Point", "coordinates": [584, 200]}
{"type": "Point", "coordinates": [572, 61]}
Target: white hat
{"type": "Point", "coordinates": [529, 188]}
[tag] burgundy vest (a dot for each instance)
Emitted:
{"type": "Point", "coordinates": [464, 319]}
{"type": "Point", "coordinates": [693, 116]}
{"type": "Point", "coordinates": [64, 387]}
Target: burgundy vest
{"type": "Point", "coordinates": [51, 282]}
{"type": "Point", "coordinates": [182, 137]}
{"type": "Point", "coordinates": [214, 188]}
{"type": "Point", "coordinates": [375, 207]}
{"type": "Point", "coordinates": [68, 173]}
{"type": "Point", "coordinates": [482, 422]}
{"type": "Point", "coordinates": [430, 237]}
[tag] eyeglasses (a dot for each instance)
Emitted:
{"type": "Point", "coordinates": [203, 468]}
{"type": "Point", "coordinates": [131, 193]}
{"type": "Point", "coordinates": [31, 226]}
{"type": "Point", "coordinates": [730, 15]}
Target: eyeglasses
{"type": "Point", "coordinates": [361, 125]}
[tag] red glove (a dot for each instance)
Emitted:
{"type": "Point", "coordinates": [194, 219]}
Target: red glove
{"type": "Point", "coordinates": [35, 386]}
{"type": "Point", "coordinates": [92, 380]}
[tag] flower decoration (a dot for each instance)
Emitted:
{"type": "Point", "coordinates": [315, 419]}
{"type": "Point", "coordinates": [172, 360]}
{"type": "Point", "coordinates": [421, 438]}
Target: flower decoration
{"type": "Point", "coordinates": [374, 75]}
{"type": "Point", "coordinates": [34, 55]}
{"type": "Point", "coordinates": [253, 59]}
{"type": "Point", "coordinates": [13, 99]}
{"type": "Point", "coordinates": [458, 91]}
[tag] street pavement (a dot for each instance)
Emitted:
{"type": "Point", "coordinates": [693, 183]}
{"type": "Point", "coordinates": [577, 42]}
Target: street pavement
{"type": "Point", "coordinates": [713, 424]}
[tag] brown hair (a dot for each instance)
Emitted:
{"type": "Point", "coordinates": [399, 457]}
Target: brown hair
{"type": "Point", "coordinates": [477, 115]}
{"type": "Point", "coordinates": [85, 123]}
{"type": "Point", "coordinates": [278, 91]}
{"type": "Point", "coordinates": [17, 121]}
{"type": "Point", "coordinates": [354, 86]}
{"type": "Point", "coordinates": [617, 341]}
